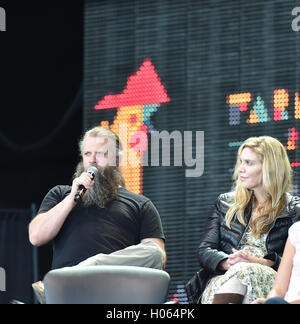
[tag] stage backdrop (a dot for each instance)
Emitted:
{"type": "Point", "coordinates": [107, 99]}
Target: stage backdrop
{"type": "Point", "coordinates": [175, 69]}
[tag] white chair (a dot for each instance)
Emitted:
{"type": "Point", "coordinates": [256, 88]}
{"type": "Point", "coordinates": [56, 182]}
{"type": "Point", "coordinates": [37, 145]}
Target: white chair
{"type": "Point", "coordinates": [106, 285]}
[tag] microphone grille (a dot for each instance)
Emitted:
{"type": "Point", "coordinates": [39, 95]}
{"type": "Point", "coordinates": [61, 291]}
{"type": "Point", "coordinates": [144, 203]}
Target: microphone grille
{"type": "Point", "coordinates": [92, 170]}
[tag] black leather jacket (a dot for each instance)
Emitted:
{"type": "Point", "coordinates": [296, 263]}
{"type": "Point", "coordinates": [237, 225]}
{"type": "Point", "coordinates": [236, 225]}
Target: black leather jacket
{"type": "Point", "coordinates": [217, 240]}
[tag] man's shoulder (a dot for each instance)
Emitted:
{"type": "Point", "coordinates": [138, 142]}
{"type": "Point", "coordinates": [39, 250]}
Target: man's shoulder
{"type": "Point", "coordinates": [57, 193]}
{"type": "Point", "coordinates": [53, 197]}
{"type": "Point", "coordinates": [139, 203]}
{"type": "Point", "coordinates": [131, 196]}
{"type": "Point", "coordinates": [61, 190]}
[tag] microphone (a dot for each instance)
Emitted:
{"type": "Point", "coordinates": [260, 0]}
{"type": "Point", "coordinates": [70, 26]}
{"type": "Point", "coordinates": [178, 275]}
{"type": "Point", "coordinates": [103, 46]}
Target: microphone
{"type": "Point", "coordinates": [91, 170]}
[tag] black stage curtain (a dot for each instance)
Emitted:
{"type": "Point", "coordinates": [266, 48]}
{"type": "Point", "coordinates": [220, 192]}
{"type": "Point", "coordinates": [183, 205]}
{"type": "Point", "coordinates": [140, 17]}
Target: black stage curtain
{"type": "Point", "coordinates": [16, 255]}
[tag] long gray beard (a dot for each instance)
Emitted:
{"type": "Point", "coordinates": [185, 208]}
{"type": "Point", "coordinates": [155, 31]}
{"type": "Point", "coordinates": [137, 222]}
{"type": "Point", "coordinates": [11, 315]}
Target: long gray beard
{"type": "Point", "coordinates": [105, 188]}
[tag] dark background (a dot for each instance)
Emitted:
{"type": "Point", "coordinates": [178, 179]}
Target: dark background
{"type": "Point", "coordinates": [58, 59]}
{"type": "Point", "coordinates": [41, 60]}
{"type": "Point", "coordinates": [41, 72]}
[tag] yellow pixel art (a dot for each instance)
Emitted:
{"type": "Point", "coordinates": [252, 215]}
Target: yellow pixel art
{"type": "Point", "coordinates": [139, 100]}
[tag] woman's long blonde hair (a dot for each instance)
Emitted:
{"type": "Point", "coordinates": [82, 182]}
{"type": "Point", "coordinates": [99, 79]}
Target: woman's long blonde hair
{"type": "Point", "coordinates": [277, 181]}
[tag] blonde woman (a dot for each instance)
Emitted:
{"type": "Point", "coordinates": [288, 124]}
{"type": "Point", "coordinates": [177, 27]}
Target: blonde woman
{"type": "Point", "coordinates": [242, 244]}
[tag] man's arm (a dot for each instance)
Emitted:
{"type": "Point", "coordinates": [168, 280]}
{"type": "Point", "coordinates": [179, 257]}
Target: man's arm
{"type": "Point", "coordinates": [151, 229]}
{"type": "Point", "coordinates": [45, 226]}
{"type": "Point", "coordinates": [161, 244]}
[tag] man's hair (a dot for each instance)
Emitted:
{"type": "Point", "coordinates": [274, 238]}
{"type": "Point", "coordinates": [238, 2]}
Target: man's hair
{"type": "Point", "coordinates": [100, 131]}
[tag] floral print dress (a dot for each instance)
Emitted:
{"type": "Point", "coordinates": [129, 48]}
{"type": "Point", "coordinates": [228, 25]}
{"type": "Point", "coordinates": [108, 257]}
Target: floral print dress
{"type": "Point", "coordinates": [258, 279]}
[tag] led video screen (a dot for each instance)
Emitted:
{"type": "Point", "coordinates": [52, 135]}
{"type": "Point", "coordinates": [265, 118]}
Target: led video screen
{"type": "Point", "coordinates": [184, 83]}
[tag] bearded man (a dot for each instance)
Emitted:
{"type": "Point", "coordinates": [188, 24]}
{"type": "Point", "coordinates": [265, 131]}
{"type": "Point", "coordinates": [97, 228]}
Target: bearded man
{"type": "Point", "coordinates": [109, 225]}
